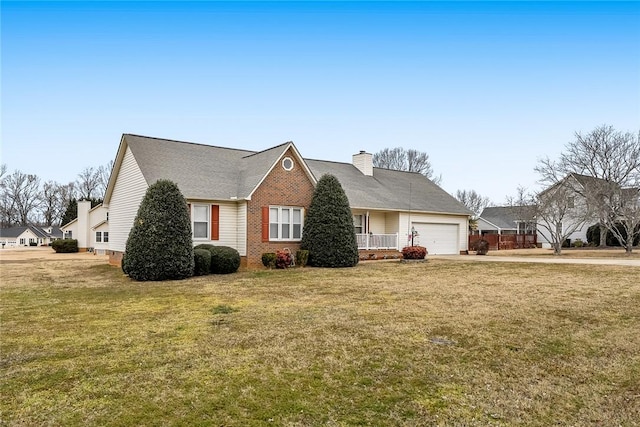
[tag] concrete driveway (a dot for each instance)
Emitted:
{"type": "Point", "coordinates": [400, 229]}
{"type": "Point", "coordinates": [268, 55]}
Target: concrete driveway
{"type": "Point", "coordinates": [543, 260]}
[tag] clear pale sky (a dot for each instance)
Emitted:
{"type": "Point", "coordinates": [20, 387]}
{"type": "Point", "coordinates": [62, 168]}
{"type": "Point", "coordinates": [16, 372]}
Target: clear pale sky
{"type": "Point", "coordinates": [485, 88]}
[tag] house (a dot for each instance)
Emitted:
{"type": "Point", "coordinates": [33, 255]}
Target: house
{"type": "Point", "coordinates": [90, 228]}
{"type": "Point", "coordinates": [29, 235]}
{"type": "Point", "coordinates": [255, 202]}
{"type": "Point", "coordinates": [504, 220]}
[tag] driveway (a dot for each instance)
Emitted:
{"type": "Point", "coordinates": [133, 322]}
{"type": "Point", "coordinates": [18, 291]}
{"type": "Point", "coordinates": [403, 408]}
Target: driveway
{"type": "Point", "coordinates": [541, 260]}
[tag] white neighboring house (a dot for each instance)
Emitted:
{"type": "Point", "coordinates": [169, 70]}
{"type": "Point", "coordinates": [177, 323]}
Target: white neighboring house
{"type": "Point", "coordinates": [30, 235]}
{"type": "Point", "coordinates": [576, 219]}
{"type": "Point", "coordinates": [90, 228]}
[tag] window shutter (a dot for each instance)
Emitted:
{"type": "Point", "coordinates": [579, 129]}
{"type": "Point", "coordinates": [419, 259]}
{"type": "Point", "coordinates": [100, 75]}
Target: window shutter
{"type": "Point", "coordinates": [265, 223]}
{"type": "Point", "coordinates": [215, 222]}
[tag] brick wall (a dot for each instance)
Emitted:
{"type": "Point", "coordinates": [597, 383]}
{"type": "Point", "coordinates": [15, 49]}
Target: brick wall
{"type": "Point", "coordinates": [280, 188]}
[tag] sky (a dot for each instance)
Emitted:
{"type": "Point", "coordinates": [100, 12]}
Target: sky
{"type": "Point", "coordinates": [485, 88]}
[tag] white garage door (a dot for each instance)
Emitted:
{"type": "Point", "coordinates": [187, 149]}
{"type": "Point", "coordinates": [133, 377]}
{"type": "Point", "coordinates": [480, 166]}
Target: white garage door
{"type": "Point", "coordinates": [439, 239]}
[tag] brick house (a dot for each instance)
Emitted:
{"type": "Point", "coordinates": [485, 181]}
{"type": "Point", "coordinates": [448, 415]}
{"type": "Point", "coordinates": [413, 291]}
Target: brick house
{"type": "Point", "coordinates": [255, 202]}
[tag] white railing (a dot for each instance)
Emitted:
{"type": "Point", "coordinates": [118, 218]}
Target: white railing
{"type": "Point", "coordinates": [377, 241]}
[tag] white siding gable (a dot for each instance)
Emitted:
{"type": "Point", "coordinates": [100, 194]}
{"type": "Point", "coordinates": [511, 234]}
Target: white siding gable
{"type": "Point", "coordinates": [129, 190]}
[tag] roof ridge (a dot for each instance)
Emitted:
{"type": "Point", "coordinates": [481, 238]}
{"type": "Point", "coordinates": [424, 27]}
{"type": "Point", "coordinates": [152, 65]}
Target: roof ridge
{"type": "Point", "coordinates": [254, 153]}
{"type": "Point", "coordinates": [186, 142]}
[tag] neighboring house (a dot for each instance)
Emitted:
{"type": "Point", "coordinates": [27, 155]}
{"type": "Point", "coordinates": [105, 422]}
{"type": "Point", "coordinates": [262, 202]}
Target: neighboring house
{"type": "Point", "coordinates": [577, 216]}
{"type": "Point", "coordinates": [29, 235]}
{"type": "Point", "coordinates": [256, 202]}
{"type": "Point", "coordinates": [505, 220]}
{"type": "Point", "coordinates": [90, 228]}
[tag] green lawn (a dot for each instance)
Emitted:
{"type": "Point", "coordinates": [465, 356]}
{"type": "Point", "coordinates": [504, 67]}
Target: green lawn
{"type": "Point", "coordinates": [439, 343]}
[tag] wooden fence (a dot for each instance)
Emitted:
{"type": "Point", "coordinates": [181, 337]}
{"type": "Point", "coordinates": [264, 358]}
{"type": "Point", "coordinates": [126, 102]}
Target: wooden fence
{"type": "Point", "coordinates": [507, 241]}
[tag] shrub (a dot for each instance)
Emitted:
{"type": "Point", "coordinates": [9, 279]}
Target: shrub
{"type": "Point", "coordinates": [578, 243]}
{"type": "Point", "coordinates": [33, 244]}
{"type": "Point", "coordinates": [123, 265]}
{"type": "Point", "coordinates": [329, 234]}
{"type": "Point", "coordinates": [65, 245]}
{"type": "Point", "coordinates": [481, 246]}
{"type": "Point", "coordinates": [414, 252]}
{"type": "Point", "coordinates": [302, 257]}
{"type": "Point", "coordinates": [202, 262]}
{"type": "Point", "coordinates": [160, 245]}
{"type": "Point", "coordinates": [224, 260]}
{"type": "Point", "coordinates": [593, 236]}
{"type": "Point", "coordinates": [269, 259]}
{"type": "Point", "coordinates": [283, 259]}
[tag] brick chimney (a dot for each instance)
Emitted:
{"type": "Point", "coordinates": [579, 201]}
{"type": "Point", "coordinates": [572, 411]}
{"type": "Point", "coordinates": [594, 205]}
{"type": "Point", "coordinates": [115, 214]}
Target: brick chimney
{"type": "Point", "coordinates": [364, 162]}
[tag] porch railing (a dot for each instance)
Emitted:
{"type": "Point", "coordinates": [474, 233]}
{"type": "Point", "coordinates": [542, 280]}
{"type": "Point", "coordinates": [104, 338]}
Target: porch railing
{"type": "Point", "coordinates": [377, 241]}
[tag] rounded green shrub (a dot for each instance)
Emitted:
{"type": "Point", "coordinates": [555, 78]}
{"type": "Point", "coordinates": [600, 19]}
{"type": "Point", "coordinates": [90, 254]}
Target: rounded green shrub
{"type": "Point", "coordinates": [202, 259]}
{"type": "Point", "coordinates": [302, 257]}
{"type": "Point", "coordinates": [160, 245]}
{"type": "Point", "coordinates": [224, 260]}
{"type": "Point", "coordinates": [269, 259]}
{"type": "Point", "coordinates": [329, 234]}
{"type": "Point", "coordinates": [65, 245]}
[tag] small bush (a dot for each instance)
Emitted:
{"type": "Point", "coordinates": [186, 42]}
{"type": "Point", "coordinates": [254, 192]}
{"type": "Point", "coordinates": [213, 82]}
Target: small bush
{"type": "Point", "coordinates": [65, 245]}
{"type": "Point", "coordinates": [269, 259]}
{"type": "Point", "coordinates": [302, 256]}
{"type": "Point", "coordinates": [33, 244]}
{"type": "Point", "coordinates": [224, 260]}
{"type": "Point", "coordinates": [578, 243]}
{"type": "Point", "coordinates": [283, 259]}
{"type": "Point", "coordinates": [480, 246]}
{"type": "Point", "coordinates": [414, 252]}
{"type": "Point", "coordinates": [202, 260]}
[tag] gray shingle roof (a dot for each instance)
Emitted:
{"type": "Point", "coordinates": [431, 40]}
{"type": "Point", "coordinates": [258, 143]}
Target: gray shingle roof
{"type": "Point", "coordinates": [504, 217]}
{"type": "Point", "coordinates": [389, 189]}
{"type": "Point", "coordinates": [216, 173]}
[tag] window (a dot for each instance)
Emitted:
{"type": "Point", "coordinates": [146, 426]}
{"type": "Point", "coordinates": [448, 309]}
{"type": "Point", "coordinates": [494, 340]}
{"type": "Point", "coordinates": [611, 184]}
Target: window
{"type": "Point", "coordinates": [358, 223]}
{"type": "Point", "coordinates": [285, 223]}
{"type": "Point", "coordinates": [200, 221]}
{"type": "Point", "coordinates": [287, 163]}
{"type": "Point", "coordinates": [105, 237]}
{"type": "Point", "coordinates": [22, 241]}
{"type": "Point", "coordinates": [98, 237]}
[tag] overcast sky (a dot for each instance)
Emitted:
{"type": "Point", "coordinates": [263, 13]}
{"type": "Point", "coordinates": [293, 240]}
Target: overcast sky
{"type": "Point", "coordinates": [484, 88]}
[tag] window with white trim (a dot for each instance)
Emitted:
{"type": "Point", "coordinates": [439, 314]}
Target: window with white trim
{"type": "Point", "coordinates": [105, 237]}
{"type": "Point", "coordinates": [98, 236]}
{"type": "Point", "coordinates": [200, 224]}
{"type": "Point", "coordinates": [358, 223]}
{"type": "Point", "coordinates": [285, 223]}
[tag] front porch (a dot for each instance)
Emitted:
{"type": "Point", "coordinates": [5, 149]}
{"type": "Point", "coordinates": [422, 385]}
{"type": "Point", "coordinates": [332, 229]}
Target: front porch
{"type": "Point", "coordinates": [369, 241]}
{"type": "Point", "coordinates": [373, 246]}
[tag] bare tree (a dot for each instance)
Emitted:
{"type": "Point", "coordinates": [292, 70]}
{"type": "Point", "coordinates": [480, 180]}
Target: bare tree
{"type": "Point", "coordinates": [473, 201]}
{"type": "Point", "coordinates": [50, 206]}
{"type": "Point", "coordinates": [88, 183]}
{"type": "Point", "coordinates": [406, 160]}
{"type": "Point", "coordinates": [612, 159]}
{"type": "Point", "coordinates": [104, 172]}
{"type": "Point", "coordinates": [21, 193]}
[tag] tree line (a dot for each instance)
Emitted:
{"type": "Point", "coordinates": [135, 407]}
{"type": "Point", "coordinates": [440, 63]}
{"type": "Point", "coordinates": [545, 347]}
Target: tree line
{"type": "Point", "coordinates": [27, 199]}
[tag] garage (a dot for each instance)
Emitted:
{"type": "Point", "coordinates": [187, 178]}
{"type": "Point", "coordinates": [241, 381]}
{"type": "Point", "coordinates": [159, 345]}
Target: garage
{"type": "Point", "coordinates": [439, 239]}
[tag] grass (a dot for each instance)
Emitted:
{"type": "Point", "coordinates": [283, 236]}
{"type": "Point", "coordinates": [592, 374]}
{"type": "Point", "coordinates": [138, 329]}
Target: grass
{"type": "Point", "coordinates": [439, 343]}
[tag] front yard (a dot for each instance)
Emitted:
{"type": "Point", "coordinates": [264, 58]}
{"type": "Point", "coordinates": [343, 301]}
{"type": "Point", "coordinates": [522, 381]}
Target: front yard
{"type": "Point", "coordinates": [439, 343]}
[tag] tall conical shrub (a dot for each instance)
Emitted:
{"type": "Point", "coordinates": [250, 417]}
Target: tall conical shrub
{"type": "Point", "coordinates": [160, 245]}
{"type": "Point", "coordinates": [329, 234]}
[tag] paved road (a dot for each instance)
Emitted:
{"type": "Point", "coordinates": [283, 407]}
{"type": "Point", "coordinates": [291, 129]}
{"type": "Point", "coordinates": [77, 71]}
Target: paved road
{"type": "Point", "coordinates": [545, 260]}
